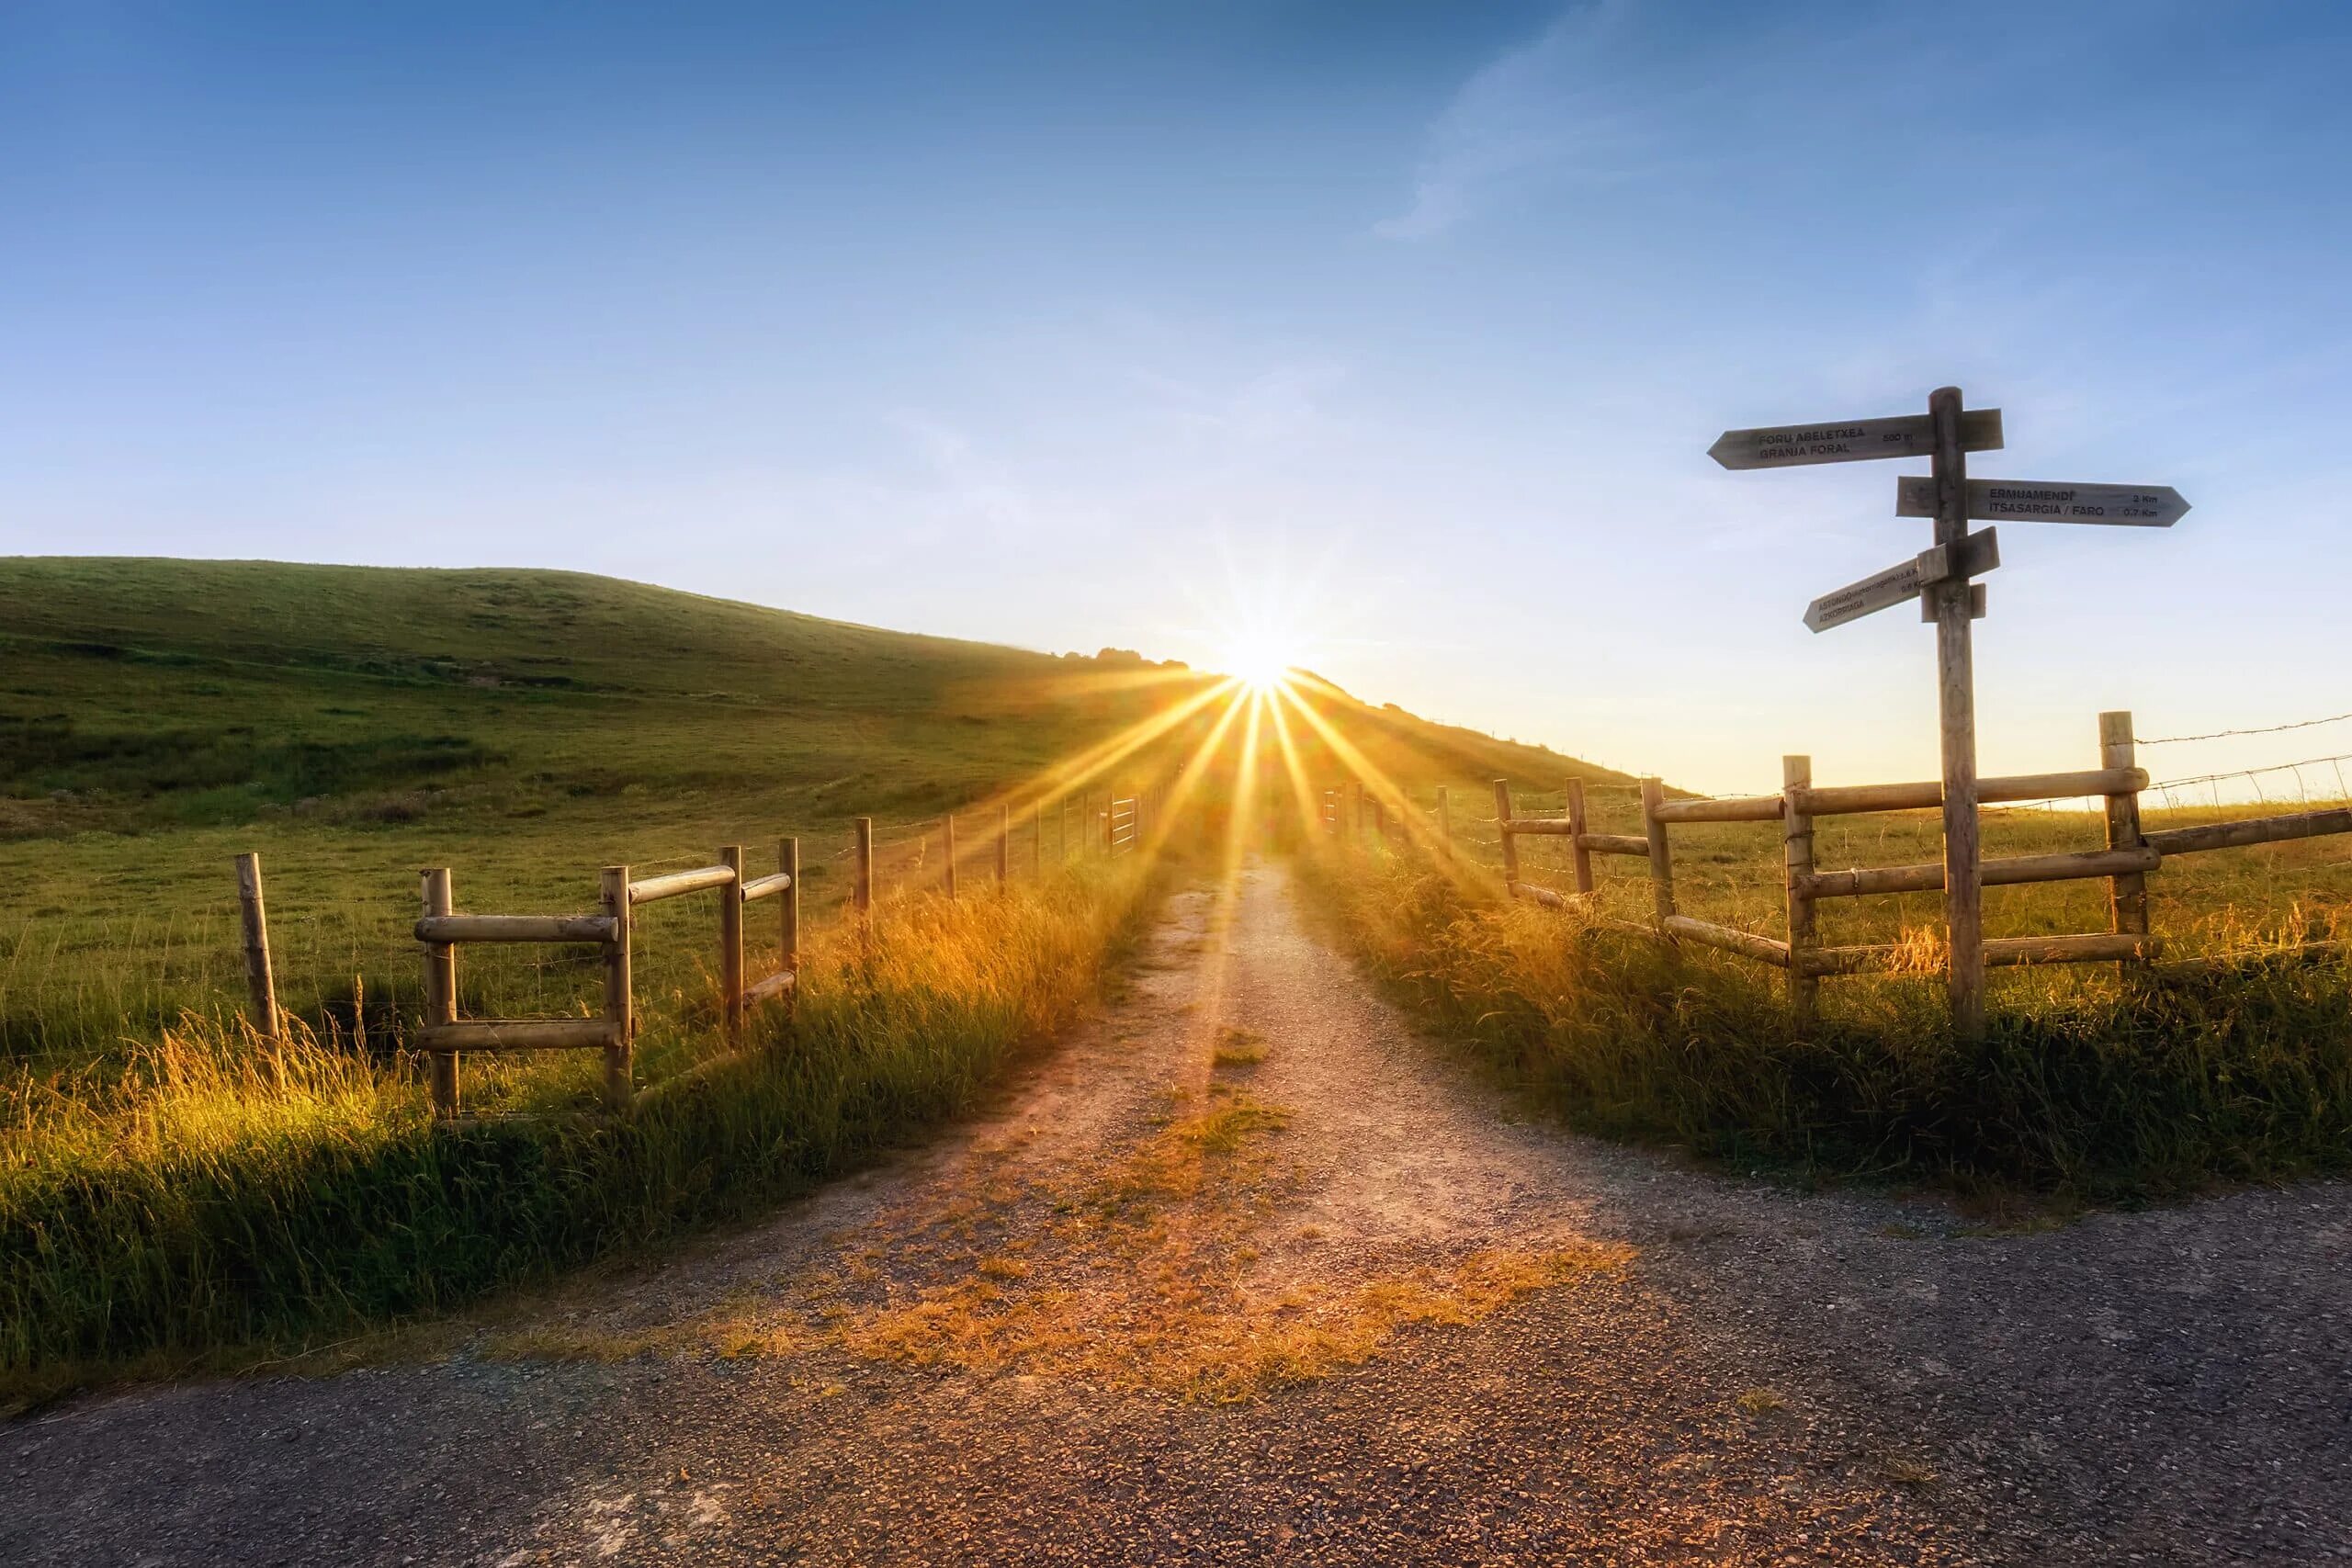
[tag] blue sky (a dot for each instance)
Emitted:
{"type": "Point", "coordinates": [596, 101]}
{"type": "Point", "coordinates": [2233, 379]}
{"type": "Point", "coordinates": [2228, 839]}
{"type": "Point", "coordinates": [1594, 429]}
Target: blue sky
{"type": "Point", "coordinates": [1078, 325]}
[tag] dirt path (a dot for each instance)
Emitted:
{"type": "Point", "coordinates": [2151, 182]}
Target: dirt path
{"type": "Point", "coordinates": [1248, 1274]}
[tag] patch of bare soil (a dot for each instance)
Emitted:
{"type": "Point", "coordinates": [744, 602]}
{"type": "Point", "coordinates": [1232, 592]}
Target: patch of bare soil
{"type": "Point", "coordinates": [1248, 1273]}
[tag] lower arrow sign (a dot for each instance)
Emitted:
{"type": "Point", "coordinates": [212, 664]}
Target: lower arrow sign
{"type": "Point", "coordinates": [1980, 552]}
{"type": "Point", "coordinates": [2041, 501]}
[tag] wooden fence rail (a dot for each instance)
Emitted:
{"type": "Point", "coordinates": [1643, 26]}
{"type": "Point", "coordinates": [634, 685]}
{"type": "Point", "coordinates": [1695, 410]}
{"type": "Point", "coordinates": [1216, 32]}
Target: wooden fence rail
{"type": "Point", "coordinates": [441, 931]}
{"type": "Point", "coordinates": [2124, 864]}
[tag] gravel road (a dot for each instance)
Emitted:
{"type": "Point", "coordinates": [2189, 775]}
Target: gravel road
{"type": "Point", "coordinates": [1244, 1272]}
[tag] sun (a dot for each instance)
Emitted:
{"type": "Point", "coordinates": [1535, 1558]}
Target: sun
{"type": "Point", "coordinates": [1261, 660]}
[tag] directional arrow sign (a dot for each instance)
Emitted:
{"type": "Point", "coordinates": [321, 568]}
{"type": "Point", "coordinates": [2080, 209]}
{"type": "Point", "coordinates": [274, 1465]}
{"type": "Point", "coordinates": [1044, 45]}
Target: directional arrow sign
{"type": "Point", "coordinates": [2035, 500]}
{"type": "Point", "coordinates": [1980, 552]}
{"type": "Point", "coordinates": [1909, 435]}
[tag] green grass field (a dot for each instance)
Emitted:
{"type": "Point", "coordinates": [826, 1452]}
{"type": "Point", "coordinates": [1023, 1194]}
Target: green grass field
{"type": "Point", "coordinates": [524, 728]}
{"type": "Point", "coordinates": [2231, 1060]}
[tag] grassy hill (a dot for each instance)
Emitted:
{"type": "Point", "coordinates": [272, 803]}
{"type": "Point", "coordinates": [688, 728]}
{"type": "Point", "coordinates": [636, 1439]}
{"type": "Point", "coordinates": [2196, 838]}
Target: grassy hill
{"type": "Point", "coordinates": [523, 728]}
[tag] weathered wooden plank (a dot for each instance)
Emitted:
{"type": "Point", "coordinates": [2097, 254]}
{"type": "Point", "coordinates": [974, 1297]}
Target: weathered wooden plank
{"type": "Point", "coordinates": [779, 984]}
{"type": "Point", "coordinates": [1579, 853]}
{"type": "Point", "coordinates": [730, 944]}
{"type": "Point", "coordinates": [2046, 500]}
{"type": "Point", "coordinates": [2127, 892]}
{"type": "Point", "coordinates": [1613, 843]}
{"type": "Point", "coordinates": [516, 927]}
{"type": "Point", "coordinates": [2098, 947]}
{"type": "Point", "coordinates": [655, 888]}
{"type": "Point", "coordinates": [1976, 554]}
{"type": "Point", "coordinates": [519, 1034]}
{"type": "Point", "coordinates": [1539, 826]}
{"type": "Point", "coordinates": [1510, 843]}
{"type": "Point", "coordinates": [1796, 850]}
{"type": "Point", "coordinates": [440, 989]}
{"type": "Point", "coordinates": [787, 908]}
{"type": "Point", "coordinates": [1661, 854]}
{"type": "Point", "coordinates": [2006, 872]}
{"type": "Point", "coordinates": [766, 887]}
{"type": "Point", "coordinates": [1543, 896]}
{"type": "Point", "coordinates": [1732, 808]}
{"type": "Point", "coordinates": [260, 986]}
{"type": "Point", "coordinates": [2000, 953]}
{"type": "Point", "coordinates": [1851, 800]}
{"type": "Point", "coordinates": [1925, 795]}
{"type": "Point", "coordinates": [1850, 440]}
{"type": "Point", "coordinates": [1819, 961]}
{"type": "Point", "coordinates": [2250, 830]}
{"type": "Point", "coordinates": [620, 995]}
{"type": "Point", "coordinates": [1747, 944]}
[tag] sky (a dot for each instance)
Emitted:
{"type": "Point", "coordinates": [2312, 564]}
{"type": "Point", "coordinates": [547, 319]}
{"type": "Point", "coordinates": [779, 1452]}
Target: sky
{"type": "Point", "coordinates": [1395, 332]}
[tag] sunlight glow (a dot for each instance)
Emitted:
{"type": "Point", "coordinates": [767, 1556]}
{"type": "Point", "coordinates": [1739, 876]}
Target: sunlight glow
{"type": "Point", "coordinates": [1259, 661]}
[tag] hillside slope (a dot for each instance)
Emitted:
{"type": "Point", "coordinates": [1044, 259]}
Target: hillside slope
{"type": "Point", "coordinates": [522, 727]}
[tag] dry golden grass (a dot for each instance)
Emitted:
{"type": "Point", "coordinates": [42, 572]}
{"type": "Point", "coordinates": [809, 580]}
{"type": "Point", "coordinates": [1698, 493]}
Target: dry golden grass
{"type": "Point", "coordinates": [1238, 1048]}
{"type": "Point", "coordinates": [1152, 1275]}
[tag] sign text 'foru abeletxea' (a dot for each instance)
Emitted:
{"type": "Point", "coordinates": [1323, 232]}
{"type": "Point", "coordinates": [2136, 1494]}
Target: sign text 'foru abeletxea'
{"type": "Point", "coordinates": [1850, 441]}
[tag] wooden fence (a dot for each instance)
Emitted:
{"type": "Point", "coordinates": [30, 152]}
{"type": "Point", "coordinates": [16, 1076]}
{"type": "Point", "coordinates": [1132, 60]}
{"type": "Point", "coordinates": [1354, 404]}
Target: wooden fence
{"type": "Point", "coordinates": [2123, 861]}
{"type": "Point", "coordinates": [1125, 820]}
{"type": "Point", "coordinates": [441, 930]}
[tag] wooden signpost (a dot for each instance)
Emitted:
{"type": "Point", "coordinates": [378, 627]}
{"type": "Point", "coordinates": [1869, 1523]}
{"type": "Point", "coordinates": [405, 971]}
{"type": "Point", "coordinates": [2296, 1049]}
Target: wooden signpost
{"type": "Point", "coordinates": [1980, 553]}
{"type": "Point", "coordinates": [1942, 578]}
{"type": "Point", "coordinates": [2036, 500]}
{"type": "Point", "coordinates": [1849, 441]}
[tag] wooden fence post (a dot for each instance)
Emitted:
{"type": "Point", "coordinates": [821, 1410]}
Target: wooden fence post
{"type": "Point", "coordinates": [620, 1000]}
{"type": "Point", "coordinates": [730, 943]}
{"type": "Point", "coordinates": [1110, 807]}
{"type": "Point", "coordinates": [1952, 602]}
{"type": "Point", "coordinates": [1661, 859]}
{"type": "Point", "coordinates": [1444, 820]}
{"type": "Point", "coordinates": [787, 904]}
{"type": "Point", "coordinates": [1796, 844]}
{"type": "Point", "coordinates": [949, 819]}
{"type": "Point", "coordinates": [862, 884]}
{"type": "Point", "coordinates": [1510, 845]}
{"type": "Point", "coordinates": [1580, 858]}
{"type": "Point", "coordinates": [2127, 896]}
{"type": "Point", "coordinates": [260, 986]}
{"type": "Point", "coordinates": [440, 993]}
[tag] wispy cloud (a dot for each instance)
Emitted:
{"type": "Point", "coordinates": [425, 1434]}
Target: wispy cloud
{"type": "Point", "coordinates": [1553, 109]}
{"type": "Point", "coordinates": [1280, 402]}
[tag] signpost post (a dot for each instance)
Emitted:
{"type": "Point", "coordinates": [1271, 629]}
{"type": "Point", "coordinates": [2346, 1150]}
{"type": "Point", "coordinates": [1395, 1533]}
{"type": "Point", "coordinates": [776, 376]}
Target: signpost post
{"type": "Point", "coordinates": [1956, 718]}
{"type": "Point", "coordinates": [1942, 578]}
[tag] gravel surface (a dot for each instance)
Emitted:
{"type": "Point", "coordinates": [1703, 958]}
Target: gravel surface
{"type": "Point", "coordinates": [1342, 1303]}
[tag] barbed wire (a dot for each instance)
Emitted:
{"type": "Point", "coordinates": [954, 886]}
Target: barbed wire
{"type": "Point", "coordinates": [2228, 734]}
{"type": "Point", "coordinates": [2252, 775]}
